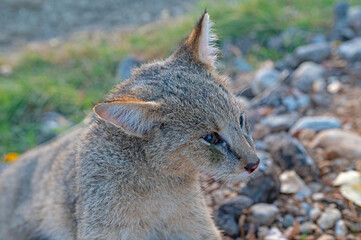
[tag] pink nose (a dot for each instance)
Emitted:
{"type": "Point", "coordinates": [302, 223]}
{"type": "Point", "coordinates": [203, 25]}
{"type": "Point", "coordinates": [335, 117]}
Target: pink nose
{"type": "Point", "coordinates": [250, 167]}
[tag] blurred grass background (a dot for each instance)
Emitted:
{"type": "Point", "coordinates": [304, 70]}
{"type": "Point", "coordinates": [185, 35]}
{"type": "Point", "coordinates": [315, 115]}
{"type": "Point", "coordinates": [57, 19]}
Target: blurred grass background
{"type": "Point", "coordinates": [69, 77]}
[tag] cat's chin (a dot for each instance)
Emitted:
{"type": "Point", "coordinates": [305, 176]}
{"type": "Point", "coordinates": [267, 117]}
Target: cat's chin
{"type": "Point", "coordinates": [238, 177]}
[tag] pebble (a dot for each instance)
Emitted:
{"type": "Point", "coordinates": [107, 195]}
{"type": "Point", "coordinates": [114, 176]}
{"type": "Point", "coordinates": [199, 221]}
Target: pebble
{"type": "Point", "coordinates": [344, 143]}
{"type": "Point", "coordinates": [260, 131]}
{"type": "Point", "coordinates": [341, 228]}
{"type": "Point", "coordinates": [315, 213]}
{"type": "Point", "coordinates": [126, 66]}
{"type": "Point", "coordinates": [274, 234]}
{"type": "Point", "coordinates": [318, 196]}
{"type": "Point", "coordinates": [316, 123]}
{"type": "Point", "coordinates": [291, 182]}
{"type": "Point", "coordinates": [328, 218]}
{"type": "Point", "coordinates": [290, 102]}
{"type": "Point", "coordinates": [288, 221]}
{"type": "Point", "coordinates": [279, 123]}
{"type": "Point", "coordinates": [226, 215]}
{"type": "Point", "coordinates": [264, 214]}
{"type": "Point", "coordinates": [242, 65]}
{"type": "Point", "coordinates": [334, 87]}
{"type": "Point", "coordinates": [264, 79]}
{"type": "Point", "coordinates": [304, 76]}
{"type": "Point", "coordinates": [308, 227]}
{"type": "Point", "coordinates": [315, 187]}
{"type": "Point", "coordinates": [315, 52]}
{"type": "Point", "coordinates": [341, 30]}
{"type": "Point", "coordinates": [354, 18]}
{"type": "Point", "coordinates": [51, 124]}
{"type": "Point", "coordinates": [262, 188]}
{"type": "Point", "coordinates": [326, 237]}
{"type": "Point", "coordinates": [288, 153]}
{"type": "Point", "coordinates": [262, 232]}
{"type": "Point", "coordinates": [351, 50]}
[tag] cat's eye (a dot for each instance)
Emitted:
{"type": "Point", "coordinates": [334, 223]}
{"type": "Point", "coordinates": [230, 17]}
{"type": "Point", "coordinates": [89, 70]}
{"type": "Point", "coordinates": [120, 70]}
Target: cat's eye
{"type": "Point", "coordinates": [241, 119]}
{"type": "Point", "coordinates": [215, 139]}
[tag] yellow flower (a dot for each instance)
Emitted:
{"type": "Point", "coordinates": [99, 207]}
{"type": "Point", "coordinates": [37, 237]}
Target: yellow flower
{"type": "Point", "coordinates": [11, 157]}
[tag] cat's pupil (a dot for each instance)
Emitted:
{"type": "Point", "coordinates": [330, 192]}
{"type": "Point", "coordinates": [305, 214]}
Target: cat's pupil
{"type": "Point", "coordinates": [241, 121]}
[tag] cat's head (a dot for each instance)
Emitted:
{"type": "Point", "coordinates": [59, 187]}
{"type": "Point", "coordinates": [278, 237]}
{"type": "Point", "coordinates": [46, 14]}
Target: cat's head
{"type": "Point", "coordinates": [189, 119]}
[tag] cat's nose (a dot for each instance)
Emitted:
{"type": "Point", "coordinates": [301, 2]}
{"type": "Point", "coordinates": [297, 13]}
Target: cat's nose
{"type": "Point", "coordinates": [250, 167]}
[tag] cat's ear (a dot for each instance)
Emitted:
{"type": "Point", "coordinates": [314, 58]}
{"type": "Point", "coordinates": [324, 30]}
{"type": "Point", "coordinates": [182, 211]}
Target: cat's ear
{"type": "Point", "coordinates": [201, 42]}
{"type": "Point", "coordinates": [134, 116]}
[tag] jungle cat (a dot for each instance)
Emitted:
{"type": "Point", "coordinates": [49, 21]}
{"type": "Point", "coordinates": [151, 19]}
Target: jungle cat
{"type": "Point", "coordinates": [133, 171]}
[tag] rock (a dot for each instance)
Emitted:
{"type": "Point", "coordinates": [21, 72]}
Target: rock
{"type": "Point", "coordinates": [305, 208]}
{"type": "Point", "coordinates": [290, 102]}
{"type": "Point", "coordinates": [260, 131]}
{"type": "Point", "coordinates": [316, 123]}
{"type": "Point", "coordinates": [242, 65]}
{"type": "Point", "coordinates": [228, 225]}
{"type": "Point", "coordinates": [315, 187]}
{"type": "Point", "coordinates": [346, 144]}
{"type": "Point", "coordinates": [303, 101]}
{"type": "Point", "coordinates": [334, 87]}
{"type": "Point", "coordinates": [322, 99]}
{"type": "Point", "coordinates": [265, 78]}
{"type": "Point", "coordinates": [318, 196]}
{"type": "Point", "coordinates": [319, 38]}
{"type": "Point", "coordinates": [286, 39]}
{"type": "Point", "coordinates": [315, 213]}
{"type": "Point", "coordinates": [341, 14]}
{"type": "Point", "coordinates": [264, 214]}
{"type": "Point", "coordinates": [304, 76]}
{"type": "Point", "coordinates": [52, 123]}
{"type": "Point", "coordinates": [326, 237]}
{"type": "Point", "coordinates": [274, 234]}
{"type": "Point", "coordinates": [328, 218]}
{"type": "Point", "coordinates": [291, 183]}
{"type": "Point", "coordinates": [126, 66]}
{"type": "Point", "coordinates": [341, 30]}
{"type": "Point", "coordinates": [308, 227]}
{"type": "Point", "coordinates": [261, 146]}
{"type": "Point", "coordinates": [316, 52]}
{"type": "Point", "coordinates": [319, 85]}
{"type": "Point", "coordinates": [227, 215]}
{"type": "Point", "coordinates": [351, 50]}
{"type": "Point", "coordinates": [341, 228]}
{"type": "Point", "coordinates": [262, 232]}
{"type": "Point", "coordinates": [263, 188]}
{"type": "Point", "coordinates": [354, 18]}
{"type": "Point", "coordinates": [278, 123]}
{"type": "Point", "coordinates": [289, 154]}
{"type": "Point", "coordinates": [353, 226]}
{"type": "Point", "coordinates": [288, 221]}
{"type": "Point", "coordinates": [272, 97]}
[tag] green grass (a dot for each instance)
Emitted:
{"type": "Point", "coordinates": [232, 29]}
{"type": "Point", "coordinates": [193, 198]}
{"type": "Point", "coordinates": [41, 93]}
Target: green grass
{"type": "Point", "coordinates": [70, 77]}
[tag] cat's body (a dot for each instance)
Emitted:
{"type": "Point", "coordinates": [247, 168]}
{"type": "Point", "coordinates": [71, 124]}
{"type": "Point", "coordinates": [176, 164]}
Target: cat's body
{"type": "Point", "coordinates": [132, 172]}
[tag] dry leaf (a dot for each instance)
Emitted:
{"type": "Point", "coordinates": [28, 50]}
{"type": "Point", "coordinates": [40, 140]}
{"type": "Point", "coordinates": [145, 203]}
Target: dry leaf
{"type": "Point", "coordinates": [350, 177]}
{"type": "Point", "coordinates": [352, 192]}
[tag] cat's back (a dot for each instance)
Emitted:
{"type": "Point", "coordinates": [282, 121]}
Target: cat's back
{"type": "Point", "coordinates": [31, 179]}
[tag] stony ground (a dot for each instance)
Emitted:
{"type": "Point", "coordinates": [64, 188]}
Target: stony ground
{"type": "Point", "coordinates": [306, 116]}
{"type": "Point", "coordinates": [29, 20]}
